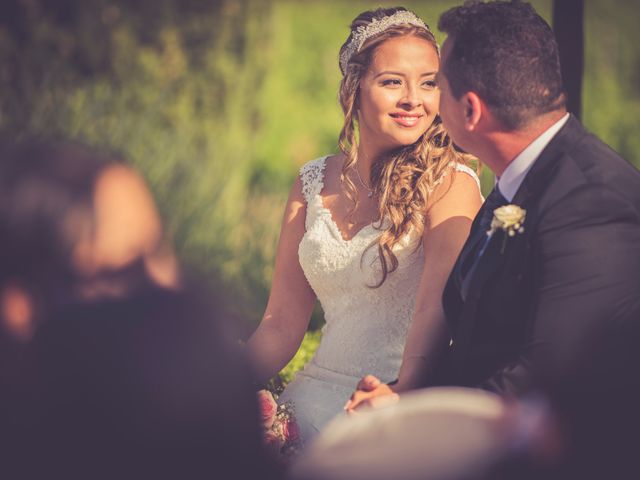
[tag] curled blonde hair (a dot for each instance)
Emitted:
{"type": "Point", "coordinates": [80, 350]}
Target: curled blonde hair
{"type": "Point", "coordinates": [402, 179]}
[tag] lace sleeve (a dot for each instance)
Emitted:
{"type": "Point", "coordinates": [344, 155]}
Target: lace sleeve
{"type": "Point", "coordinates": [312, 175]}
{"type": "Point", "coordinates": [469, 171]}
{"type": "Point", "coordinates": [459, 168]}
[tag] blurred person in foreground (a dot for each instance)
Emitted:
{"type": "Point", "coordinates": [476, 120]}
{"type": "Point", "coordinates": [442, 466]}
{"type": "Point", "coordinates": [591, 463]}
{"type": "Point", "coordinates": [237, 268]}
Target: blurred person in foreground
{"type": "Point", "coordinates": [111, 368]}
{"type": "Point", "coordinates": [373, 231]}
{"type": "Point", "coordinates": [545, 293]}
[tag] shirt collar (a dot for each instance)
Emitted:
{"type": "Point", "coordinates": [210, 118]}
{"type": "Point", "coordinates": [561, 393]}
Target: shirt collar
{"type": "Point", "coordinates": [514, 174]}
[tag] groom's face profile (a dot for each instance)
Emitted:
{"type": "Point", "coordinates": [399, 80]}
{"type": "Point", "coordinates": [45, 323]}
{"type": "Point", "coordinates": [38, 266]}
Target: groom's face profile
{"type": "Point", "coordinates": [451, 109]}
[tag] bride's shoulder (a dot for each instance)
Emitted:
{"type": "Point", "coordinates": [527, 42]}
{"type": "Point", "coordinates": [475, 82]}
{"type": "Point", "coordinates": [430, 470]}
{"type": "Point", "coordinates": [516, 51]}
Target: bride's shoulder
{"type": "Point", "coordinates": [458, 186]}
{"type": "Point", "coordinates": [313, 174]}
{"type": "Point", "coordinates": [318, 165]}
{"type": "Point", "coordinates": [451, 176]}
{"type": "Point", "coordinates": [461, 167]}
{"type": "Point", "coordinates": [313, 169]}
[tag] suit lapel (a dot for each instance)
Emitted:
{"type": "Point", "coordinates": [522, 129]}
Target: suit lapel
{"type": "Point", "coordinates": [536, 179]}
{"type": "Point", "coordinates": [494, 257]}
{"type": "Point", "coordinates": [451, 298]}
{"type": "Point", "coordinates": [491, 260]}
{"type": "Point", "coordinates": [469, 247]}
{"type": "Point", "coordinates": [542, 169]}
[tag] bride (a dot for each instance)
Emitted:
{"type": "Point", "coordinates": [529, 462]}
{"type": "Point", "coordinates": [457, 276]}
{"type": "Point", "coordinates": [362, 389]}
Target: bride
{"type": "Point", "coordinates": [372, 232]}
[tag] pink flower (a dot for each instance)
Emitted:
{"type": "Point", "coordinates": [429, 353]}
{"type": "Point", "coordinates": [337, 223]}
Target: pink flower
{"type": "Point", "coordinates": [268, 408]}
{"type": "Point", "coordinates": [291, 430]}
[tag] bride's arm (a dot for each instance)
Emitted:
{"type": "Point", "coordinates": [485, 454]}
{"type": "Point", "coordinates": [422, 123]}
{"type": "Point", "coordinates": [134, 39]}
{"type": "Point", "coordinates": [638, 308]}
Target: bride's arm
{"type": "Point", "coordinates": [453, 206]}
{"type": "Point", "coordinates": [449, 219]}
{"type": "Point", "coordinates": [291, 300]}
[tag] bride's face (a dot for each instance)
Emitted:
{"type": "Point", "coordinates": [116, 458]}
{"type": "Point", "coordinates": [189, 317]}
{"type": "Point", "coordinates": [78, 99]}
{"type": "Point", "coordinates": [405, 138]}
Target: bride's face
{"type": "Point", "coordinates": [398, 98]}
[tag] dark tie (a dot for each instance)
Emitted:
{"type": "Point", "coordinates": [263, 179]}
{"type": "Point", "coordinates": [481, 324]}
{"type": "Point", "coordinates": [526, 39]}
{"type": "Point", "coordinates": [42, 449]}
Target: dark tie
{"type": "Point", "coordinates": [479, 239]}
{"type": "Point", "coordinates": [493, 201]}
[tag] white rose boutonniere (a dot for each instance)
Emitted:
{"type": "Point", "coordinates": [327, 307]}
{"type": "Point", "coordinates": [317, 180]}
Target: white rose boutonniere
{"type": "Point", "coordinates": [510, 219]}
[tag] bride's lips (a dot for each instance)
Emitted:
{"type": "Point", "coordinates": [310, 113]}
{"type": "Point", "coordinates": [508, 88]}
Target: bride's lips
{"type": "Point", "coordinates": [406, 119]}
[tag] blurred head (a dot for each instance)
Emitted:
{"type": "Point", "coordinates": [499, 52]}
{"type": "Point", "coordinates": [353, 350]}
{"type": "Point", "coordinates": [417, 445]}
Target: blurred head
{"type": "Point", "coordinates": [506, 54]}
{"type": "Point", "coordinates": [76, 225]}
{"type": "Point", "coordinates": [390, 102]}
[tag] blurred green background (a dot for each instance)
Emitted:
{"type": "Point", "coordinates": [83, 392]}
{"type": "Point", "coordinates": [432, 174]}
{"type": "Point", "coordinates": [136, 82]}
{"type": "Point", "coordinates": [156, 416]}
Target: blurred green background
{"type": "Point", "coordinates": [218, 103]}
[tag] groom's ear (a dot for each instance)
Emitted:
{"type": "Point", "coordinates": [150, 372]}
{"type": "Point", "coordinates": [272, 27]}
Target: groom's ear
{"type": "Point", "coordinates": [474, 110]}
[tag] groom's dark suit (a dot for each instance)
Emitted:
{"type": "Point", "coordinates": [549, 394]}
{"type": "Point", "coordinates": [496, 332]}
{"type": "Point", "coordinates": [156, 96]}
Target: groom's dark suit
{"type": "Point", "coordinates": [566, 285]}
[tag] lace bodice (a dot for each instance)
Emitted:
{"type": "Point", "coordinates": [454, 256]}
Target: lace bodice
{"type": "Point", "coordinates": [366, 328]}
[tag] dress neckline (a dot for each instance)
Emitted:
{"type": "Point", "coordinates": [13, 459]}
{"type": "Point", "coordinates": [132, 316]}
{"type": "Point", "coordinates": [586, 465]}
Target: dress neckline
{"type": "Point", "coordinates": [329, 213]}
{"type": "Point", "coordinates": [317, 192]}
{"type": "Point", "coordinates": [337, 228]}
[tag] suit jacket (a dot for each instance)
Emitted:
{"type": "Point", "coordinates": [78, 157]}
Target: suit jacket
{"type": "Point", "coordinates": [546, 299]}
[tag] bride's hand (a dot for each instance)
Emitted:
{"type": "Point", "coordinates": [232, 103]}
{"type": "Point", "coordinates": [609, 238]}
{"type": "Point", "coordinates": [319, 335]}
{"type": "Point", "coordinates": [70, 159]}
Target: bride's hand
{"type": "Point", "coordinates": [371, 392]}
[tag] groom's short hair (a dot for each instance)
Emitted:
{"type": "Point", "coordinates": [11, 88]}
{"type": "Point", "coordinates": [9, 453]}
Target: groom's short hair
{"type": "Point", "coordinates": [507, 54]}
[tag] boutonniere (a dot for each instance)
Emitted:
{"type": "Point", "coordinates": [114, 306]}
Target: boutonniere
{"type": "Point", "coordinates": [510, 219]}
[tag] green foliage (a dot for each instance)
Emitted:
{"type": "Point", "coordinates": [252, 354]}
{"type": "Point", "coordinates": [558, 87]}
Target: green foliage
{"type": "Point", "coordinates": [306, 351]}
{"type": "Point", "coordinates": [611, 90]}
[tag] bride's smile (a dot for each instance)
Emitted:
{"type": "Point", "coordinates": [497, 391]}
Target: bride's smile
{"type": "Point", "coordinates": [406, 119]}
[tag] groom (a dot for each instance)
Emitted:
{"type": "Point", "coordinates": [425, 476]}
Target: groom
{"type": "Point", "coordinates": [546, 287]}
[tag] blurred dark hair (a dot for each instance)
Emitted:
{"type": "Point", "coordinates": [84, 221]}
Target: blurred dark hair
{"type": "Point", "coordinates": [506, 53]}
{"type": "Point", "coordinates": [46, 203]}
{"type": "Point", "coordinates": [142, 385]}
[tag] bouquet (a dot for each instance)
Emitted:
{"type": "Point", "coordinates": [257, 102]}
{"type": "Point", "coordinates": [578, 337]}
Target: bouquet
{"type": "Point", "coordinates": [281, 433]}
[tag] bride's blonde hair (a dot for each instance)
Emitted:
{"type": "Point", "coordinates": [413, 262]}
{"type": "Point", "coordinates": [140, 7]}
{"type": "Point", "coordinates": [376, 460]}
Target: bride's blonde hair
{"type": "Point", "coordinates": [404, 178]}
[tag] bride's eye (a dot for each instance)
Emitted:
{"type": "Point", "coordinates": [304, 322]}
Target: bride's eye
{"type": "Point", "coordinates": [429, 84]}
{"type": "Point", "coordinates": [391, 82]}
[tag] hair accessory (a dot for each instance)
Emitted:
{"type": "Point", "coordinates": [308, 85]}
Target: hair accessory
{"type": "Point", "coordinates": [364, 32]}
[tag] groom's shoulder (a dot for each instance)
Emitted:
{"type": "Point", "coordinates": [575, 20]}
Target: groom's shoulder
{"type": "Point", "coordinates": [589, 163]}
{"type": "Point", "coordinates": [597, 160]}
{"type": "Point", "coordinates": [582, 175]}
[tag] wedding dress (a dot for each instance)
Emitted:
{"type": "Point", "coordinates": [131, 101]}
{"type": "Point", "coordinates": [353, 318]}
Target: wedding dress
{"type": "Point", "coordinates": [365, 327]}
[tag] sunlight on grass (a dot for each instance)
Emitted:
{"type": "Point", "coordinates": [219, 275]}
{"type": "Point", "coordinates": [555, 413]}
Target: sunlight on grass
{"type": "Point", "coordinates": [304, 354]}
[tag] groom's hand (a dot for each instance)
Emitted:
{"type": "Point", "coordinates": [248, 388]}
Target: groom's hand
{"type": "Point", "coordinates": [371, 392]}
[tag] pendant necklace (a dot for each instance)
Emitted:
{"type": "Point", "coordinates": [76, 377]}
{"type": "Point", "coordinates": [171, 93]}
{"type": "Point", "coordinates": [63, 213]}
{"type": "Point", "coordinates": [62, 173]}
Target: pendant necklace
{"type": "Point", "coordinates": [369, 189]}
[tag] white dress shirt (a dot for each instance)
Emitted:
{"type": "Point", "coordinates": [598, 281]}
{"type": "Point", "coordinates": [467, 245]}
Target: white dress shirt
{"type": "Point", "coordinates": [517, 170]}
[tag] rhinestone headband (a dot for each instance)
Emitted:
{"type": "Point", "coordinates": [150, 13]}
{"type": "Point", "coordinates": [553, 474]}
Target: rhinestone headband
{"type": "Point", "coordinates": [362, 33]}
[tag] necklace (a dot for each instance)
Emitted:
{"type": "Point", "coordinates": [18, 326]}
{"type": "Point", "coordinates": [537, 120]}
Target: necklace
{"type": "Point", "coordinates": [367, 187]}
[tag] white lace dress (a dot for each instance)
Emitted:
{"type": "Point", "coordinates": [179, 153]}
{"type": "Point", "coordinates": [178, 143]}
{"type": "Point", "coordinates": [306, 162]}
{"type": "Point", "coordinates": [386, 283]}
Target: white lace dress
{"type": "Point", "coordinates": [365, 327]}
